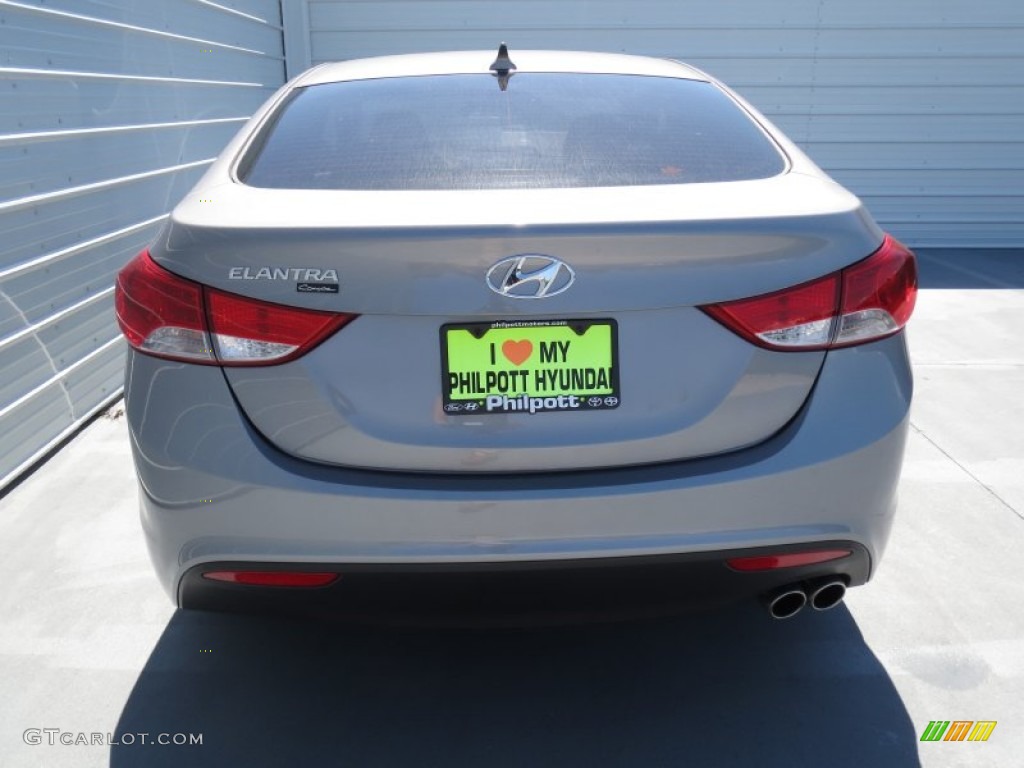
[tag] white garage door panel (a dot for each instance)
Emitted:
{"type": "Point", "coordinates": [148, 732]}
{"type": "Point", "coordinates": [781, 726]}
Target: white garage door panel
{"type": "Point", "coordinates": [898, 158]}
{"type": "Point", "coordinates": [28, 428]}
{"type": "Point", "coordinates": [691, 43]}
{"type": "Point", "coordinates": [910, 103]}
{"type": "Point", "coordinates": [971, 208]}
{"type": "Point", "coordinates": [45, 102]}
{"type": "Point", "coordinates": [939, 182]}
{"type": "Point", "coordinates": [40, 167]}
{"type": "Point", "coordinates": [971, 100]}
{"type": "Point", "coordinates": [897, 77]}
{"type": "Point", "coordinates": [116, 49]}
{"type": "Point", "coordinates": [873, 14]}
{"type": "Point", "coordinates": [29, 362]}
{"type": "Point", "coordinates": [197, 18]}
{"type": "Point", "coordinates": [91, 386]}
{"type": "Point", "coordinates": [921, 128]}
{"type": "Point", "coordinates": [552, 14]}
{"type": "Point", "coordinates": [731, 14]}
{"type": "Point", "coordinates": [44, 237]}
{"type": "Point", "coordinates": [25, 366]}
{"type": "Point", "coordinates": [109, 111]}
{"type": "Point", "coordinates": [942, 234]}
{"type": "Point", "coordinates": [40, 298]}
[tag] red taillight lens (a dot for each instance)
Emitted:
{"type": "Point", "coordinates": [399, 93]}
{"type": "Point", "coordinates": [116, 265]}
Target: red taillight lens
{"type": "Point", "coordinates": [171, 317]}
{"type": "Point", "coordinates": [274, 578]}
{"type": "Point", "coordinates": [869, 300]}
{"type": "Point", "coordinates": [879, 294]}
{"type": "Point", "coordinates": [800, 317]}
{"type": "Point", "coordinates": [246, 330]}
{"type": "Point", "coordinates": [790, 560]}
{"type": "Point", "coordinates": [160, 313]}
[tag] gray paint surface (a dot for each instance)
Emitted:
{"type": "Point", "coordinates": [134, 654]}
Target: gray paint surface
{"type": "Point", "coordinates": [377, 413]}
{"type": "Point", "coordinates": [109, 112]}
{"type": "Point", "coordinates": [916, 106]}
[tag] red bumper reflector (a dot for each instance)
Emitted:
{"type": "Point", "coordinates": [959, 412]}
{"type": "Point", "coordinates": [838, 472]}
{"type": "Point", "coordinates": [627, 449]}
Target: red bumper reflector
{"type": "Point", "coordinates": [274, 578]}
{"type": "Point", "coordinates": [792, 560]}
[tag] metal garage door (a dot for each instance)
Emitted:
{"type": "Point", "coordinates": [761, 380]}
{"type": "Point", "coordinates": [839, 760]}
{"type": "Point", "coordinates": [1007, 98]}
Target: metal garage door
{"type": "Point", "coordinates": [109, 111]}
{"type": "Point", "coordinates": [917, 105]}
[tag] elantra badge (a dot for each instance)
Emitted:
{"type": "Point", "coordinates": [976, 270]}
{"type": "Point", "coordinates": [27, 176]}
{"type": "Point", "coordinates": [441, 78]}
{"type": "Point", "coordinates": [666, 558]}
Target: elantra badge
{"type": "Point", "coordinates": [530, 276]}
{"type": "Point", "coordinates": [277, 273]}
{"type": "Point", "coordinates": [306, 280]}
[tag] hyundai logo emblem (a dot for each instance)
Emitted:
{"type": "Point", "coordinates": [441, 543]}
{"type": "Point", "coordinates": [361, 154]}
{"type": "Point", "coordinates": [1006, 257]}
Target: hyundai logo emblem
{"type": "Point", "coordinates": [530, 276]}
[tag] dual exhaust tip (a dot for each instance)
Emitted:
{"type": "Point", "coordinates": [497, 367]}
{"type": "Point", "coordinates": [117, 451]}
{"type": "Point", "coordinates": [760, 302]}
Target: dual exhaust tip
{"type": "Point", "coordinates": [788, 601]}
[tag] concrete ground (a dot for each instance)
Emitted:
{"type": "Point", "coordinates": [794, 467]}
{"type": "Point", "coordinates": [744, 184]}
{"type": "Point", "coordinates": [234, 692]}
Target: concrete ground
{"type": "Point", "coordinates": [89, 644]}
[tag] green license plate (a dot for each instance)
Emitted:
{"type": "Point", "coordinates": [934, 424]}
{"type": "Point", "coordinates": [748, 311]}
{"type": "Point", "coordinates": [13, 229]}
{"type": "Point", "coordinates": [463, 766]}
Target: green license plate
{"type": "Point", "coordinates": [529, 366]}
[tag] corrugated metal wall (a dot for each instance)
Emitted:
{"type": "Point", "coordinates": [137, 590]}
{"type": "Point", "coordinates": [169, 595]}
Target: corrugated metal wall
{"type": "Point", "coordinates": [916, 105]}
{"type": "Point", "coordinates": [109, 111]}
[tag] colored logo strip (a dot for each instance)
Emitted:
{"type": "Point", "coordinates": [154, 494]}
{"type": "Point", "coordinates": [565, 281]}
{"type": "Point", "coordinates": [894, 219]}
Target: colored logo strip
{"type": "Point", "coordinates": [958, 730]}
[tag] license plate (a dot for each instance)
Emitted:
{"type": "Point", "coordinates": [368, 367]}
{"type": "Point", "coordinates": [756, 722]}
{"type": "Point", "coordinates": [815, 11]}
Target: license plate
{"type": "Point", "coordinates": [529, 366]}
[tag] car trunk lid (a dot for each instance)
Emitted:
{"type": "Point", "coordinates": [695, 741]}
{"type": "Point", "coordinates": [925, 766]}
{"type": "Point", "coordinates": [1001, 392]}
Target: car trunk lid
{"type": "Point", "coordinates": [414, 266]}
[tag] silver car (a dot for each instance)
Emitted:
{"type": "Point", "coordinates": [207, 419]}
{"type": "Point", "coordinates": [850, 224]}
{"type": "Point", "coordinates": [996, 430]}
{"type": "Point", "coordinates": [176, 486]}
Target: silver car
{"type": "Point", "coordinates": [571, 326]}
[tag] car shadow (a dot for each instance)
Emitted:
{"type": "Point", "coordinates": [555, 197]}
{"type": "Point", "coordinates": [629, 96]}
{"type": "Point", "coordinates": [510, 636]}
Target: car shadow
{"type": "Point", "coordinates": [716, 688]}
{"type": "Point", "coordinates": [975, 268]}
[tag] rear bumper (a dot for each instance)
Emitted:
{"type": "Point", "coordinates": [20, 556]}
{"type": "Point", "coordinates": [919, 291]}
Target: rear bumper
{"type": "Point", "coordinates": [214, 491]}
{"type": "Point", "coordinates": [500, 590]}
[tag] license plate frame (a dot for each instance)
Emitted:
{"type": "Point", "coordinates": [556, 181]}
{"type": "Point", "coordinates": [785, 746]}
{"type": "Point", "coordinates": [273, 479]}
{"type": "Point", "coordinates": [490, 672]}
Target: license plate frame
{"type": "Point", "coordinates": [529, 366]}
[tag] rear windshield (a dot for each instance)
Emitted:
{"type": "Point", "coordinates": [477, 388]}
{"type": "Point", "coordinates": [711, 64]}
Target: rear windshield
{"type": "Point", "coordinates": [545, 130]}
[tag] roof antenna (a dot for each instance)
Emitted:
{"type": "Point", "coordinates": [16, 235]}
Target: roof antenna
{"type": "Point", "coordinates": [503, 67]}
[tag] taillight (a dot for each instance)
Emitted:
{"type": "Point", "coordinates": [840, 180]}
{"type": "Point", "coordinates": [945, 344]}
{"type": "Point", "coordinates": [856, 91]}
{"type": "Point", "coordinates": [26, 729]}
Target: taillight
{"type": "Point", "coordinates": [787, 560]}
{"type": "Point", "coordinates": [869, 300]}
{"type": "Point", "coordinates": [171, 317]}
{"type": "Point", "coordinates": [160, 313]}
{"type": "Point", "coordinates": [878, 295]}
{"type": "Point", "coordinates": [796, 318]}
{"type": "Point", "coordinates": [274, 578]}
{"type": "Point", "coordinates": [247, 331]}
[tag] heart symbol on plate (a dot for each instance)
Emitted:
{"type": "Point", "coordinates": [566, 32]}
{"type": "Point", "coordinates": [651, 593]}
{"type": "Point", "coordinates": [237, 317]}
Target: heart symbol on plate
{"type": "Point", "coordinates": [517, 352]}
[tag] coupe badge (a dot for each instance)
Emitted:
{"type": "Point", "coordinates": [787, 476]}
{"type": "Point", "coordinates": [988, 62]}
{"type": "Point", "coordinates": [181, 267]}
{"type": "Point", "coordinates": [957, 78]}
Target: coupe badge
{"type": "Point", "coordinates": [530, 276]}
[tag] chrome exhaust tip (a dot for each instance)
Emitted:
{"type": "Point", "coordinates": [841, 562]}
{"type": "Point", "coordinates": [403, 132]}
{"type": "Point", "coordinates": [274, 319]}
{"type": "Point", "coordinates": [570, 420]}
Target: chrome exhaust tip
{"type": "Point", "coordinates": [827, 594]}
{"type": "Point", "coordinates": [786, 602]}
